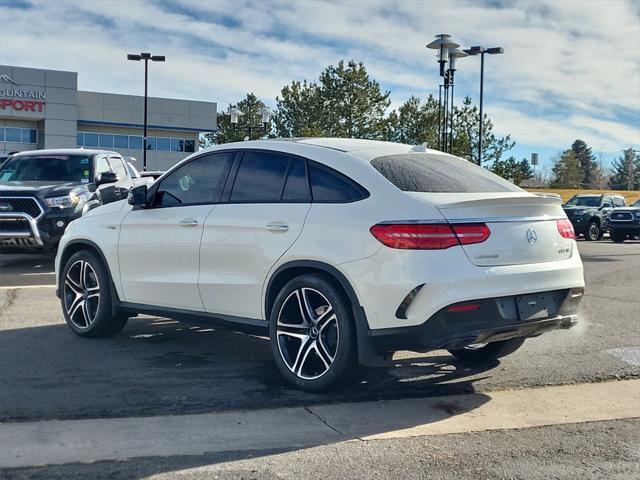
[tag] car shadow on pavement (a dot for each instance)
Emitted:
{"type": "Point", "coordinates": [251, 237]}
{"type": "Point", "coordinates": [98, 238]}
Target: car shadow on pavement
{"type": "Point", "coordinates": [163, 367]}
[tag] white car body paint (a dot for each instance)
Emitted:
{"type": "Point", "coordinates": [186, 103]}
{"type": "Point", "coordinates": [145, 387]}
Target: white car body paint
{"type": "Point", "coordinates": [157, 261]}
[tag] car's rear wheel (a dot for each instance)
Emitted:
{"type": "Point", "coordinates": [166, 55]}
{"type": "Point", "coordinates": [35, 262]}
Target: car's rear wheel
{"type": "Point", "coordinates": [487, 352]}
{"type": "Point", "coordinates": [618, 237]}
{"type": "Point", "coordinates": [594, 232]}
{"type": "Point", "coordinates": [86, 297]}
{"type": "Point", "coordinates": [312, 334]}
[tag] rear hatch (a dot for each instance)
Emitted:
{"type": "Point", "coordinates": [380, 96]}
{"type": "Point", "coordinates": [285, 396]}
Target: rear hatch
{"type": "Point", "coordinates": [524, 227]}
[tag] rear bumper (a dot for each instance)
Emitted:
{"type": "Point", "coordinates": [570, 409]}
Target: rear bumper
{"type": "Point", "coordinates": [496, 319]}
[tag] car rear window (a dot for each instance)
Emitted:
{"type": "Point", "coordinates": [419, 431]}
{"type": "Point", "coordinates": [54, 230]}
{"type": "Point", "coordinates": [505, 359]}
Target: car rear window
{"type": "Point", "coordinates": [439, 173]}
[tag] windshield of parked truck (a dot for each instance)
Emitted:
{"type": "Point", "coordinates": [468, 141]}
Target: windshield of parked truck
{"type": "Point", "coordinates": [47, 168]}
{"type": "Point", "coordinates": [592, 201]}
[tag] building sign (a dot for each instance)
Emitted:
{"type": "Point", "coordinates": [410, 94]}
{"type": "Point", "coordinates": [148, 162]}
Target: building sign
{"type": "Point", "coordinates": [19, 99]}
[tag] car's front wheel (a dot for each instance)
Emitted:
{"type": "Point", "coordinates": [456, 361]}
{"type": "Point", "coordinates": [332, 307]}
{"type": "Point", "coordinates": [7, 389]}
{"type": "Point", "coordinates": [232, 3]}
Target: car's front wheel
{"type": "Point", "coordinates": [594, 232]}
{"type": "Point", "coordinates": [312, 334]}
{"type": "Point", "coordinates": [86, 297]}
{"type": "Point", "coordinates": [480, 353]}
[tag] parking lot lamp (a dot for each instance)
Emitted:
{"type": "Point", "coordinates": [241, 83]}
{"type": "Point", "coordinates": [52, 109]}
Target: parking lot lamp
{"type": "Point", "coordinates": [235, 113]}
{"type": "Point", "coordinates": [146, 57]}
{"type": "Point", "coordinates": [478, 50]}
{"type": "Point", "coordinates": [443, 44]}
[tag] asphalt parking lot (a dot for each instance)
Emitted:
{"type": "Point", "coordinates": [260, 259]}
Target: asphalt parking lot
{"type": "Point", "coordinates": [172, 375]}
{"type": "Point", "coordinates": [158, 366]}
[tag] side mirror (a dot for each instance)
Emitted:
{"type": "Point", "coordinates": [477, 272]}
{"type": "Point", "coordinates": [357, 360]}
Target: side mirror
{"type": "Point", "coordinates": [137, 196]}
{"type": "Point", "coordinates": [106, 177]}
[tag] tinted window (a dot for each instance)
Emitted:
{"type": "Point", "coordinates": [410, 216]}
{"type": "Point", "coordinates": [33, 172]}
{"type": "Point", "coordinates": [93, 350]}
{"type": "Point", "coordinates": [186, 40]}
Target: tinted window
{"type": "Point", "coordinates": [327, 185]}
{"type": "Point", "coordinates": [12, 135]}
{"type": "Point", "coordinates": [426, 172]}
{"type": "Point", "coordinates": [296, 187]}
{"type": "Point", "coordinates": [163, 144]}
{"type": "Point", "coordinates": [106, 140]}
{"type": "Point", "coordinates": [90, 139]}
{"type": "Point", "coordinates": [260, 178]}
{"type": "Point", "coordinates": [189, 146]}
{"type": "Point", "coordinates": [177, 145]}
{"type": "Point", "coordinates": [46, 168]}
{"type": "Point", "coordinates": [118, 167]}
{"type": "Point", "coordinates": [135, 142]}
{"type": "Point", "coordinates": [199, 181]}
{"type": "Point", "coordinates": [590, 201]}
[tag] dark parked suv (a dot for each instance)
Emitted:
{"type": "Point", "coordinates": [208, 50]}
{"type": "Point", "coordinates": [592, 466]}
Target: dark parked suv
{"type": "Point", "coordinates": [625, 222]}
{"type": "Point", "coordinates": [41, 191]}
{"type": "Point", "coordinates": [589, 213]}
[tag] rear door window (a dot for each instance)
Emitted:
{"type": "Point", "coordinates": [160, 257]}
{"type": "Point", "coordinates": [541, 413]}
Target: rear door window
{"type": "Point", "coordinates": [439, 173]}
{"type": "Point", "coordinates": [260, 178]}
{"type": "Point", "coordinates": [296, 186]}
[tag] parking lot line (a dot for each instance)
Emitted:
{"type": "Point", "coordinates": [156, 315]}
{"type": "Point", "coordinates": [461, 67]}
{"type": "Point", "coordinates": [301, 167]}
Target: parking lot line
{"type": "Point", "coordinates": [58, 442]}
{"type": "Point", "coordinates": [14, 287]}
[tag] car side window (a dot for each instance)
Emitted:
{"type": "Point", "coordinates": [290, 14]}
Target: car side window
{"type": "Point", "coordinates": [260, 178]}
{"type": "Point", "coordinates": [330, 186]}
{"type": "Point", "coordinates": [102, 165]}
{"type": "Point", "coordinates": [118, 167]}
{"type": "Point", "coordinates": [607, 203]}
{"type": "Point", "coordinates": [296, 186]}
{"type": "Point", "coordinates": [618, 202]}
{"type": "Point", "coordinates": [200, 181]}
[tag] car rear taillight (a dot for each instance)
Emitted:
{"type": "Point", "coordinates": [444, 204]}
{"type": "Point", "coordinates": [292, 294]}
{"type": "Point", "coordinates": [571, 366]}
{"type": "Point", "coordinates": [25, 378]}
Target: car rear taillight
{"type": "Point", "coordinates": [421, 236]}
{"type": "Point", "coordinates": [565, 228]}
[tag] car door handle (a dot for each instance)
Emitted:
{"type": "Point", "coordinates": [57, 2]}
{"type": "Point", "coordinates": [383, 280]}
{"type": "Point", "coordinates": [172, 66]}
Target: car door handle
{"type": "Point", "coordinates": [188, 222]}
{"type": "Point", "coordinates": [277, 227]}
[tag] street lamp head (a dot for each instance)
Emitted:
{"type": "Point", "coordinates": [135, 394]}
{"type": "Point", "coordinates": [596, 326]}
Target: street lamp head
{"type": "Point", "coordinates": [443, 44]}
{"type": "Point", "coordinates": [235, 114]}
{"type": "Point", "coordinates": [136, 58]}
{"type": "Point", "coordinates": [495, 50]}
{"type": "Point", "coordinates": [454, 55]}
{"type": "Point", "coordinates": [265, 114]}
{"type": "Point", "coordinates": [158, 58]}
{"type": "Point", "coordinates": [145, 55]}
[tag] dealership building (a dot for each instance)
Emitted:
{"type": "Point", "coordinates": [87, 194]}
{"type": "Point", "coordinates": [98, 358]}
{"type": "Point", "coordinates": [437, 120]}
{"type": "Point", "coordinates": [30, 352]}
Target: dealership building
{"type": "Point", "coordinates": [44, 109]}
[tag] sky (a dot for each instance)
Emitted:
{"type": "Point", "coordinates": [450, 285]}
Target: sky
{"type": "Point", "coordinates": [570, 68]}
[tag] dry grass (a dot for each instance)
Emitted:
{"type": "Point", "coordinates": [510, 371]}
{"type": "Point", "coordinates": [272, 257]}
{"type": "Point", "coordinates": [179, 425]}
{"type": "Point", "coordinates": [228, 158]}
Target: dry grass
{"type": "Point", "coordinates": [566, 194]}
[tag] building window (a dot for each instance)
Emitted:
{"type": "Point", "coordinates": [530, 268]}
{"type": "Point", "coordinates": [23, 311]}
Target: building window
{"type": "Point", "coordinates": [106, 140]}
{"type": "Point", "coordinates": [135, 142]}
{"type": "Point", "coordinates": [189, 146]}
{"type": "Point", "coordinates": [90, 139]}
{"type": "Point", "coordinates": [163, 144]}
{"type": "Point", "coordinates": [121, 141]}
{"type": "Point", "coordinates": [1, 134]}
{"type": "Point", "coordinates": [177, 145]}
{"type": "Point", "coordinates": [80, 141]}
{"type": "Point", "coordinates": [12, 135]}
{"type": "Point", "coordinates": [151, 143]}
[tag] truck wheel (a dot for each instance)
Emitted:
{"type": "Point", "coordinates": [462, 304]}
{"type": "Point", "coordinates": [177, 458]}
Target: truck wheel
{"type": "Point", "coordinates": [486, 352]}
{"type": "Point", "coordinates": [594, 232]}
{"type": "Point", "coordinates": [618, 237]}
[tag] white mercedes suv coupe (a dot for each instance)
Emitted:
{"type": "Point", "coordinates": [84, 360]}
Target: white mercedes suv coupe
{"type": "Point", "coordinates": [340, 251]}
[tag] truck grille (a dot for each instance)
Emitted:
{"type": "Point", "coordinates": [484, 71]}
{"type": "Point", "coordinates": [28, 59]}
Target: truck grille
{"type": "Point", "coordinates": [621, 217]}
{"type": "Point", "coordinates": [20, 205]}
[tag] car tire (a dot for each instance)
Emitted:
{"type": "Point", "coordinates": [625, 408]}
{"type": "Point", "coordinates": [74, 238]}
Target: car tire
{"type": "Point", "coordinates": [312, 334]}
{"type": "Point", "coordinates": [593, 232]}
{"type": "Point", "coordinates": [618, 237]}
{"type": "Point", "coordinates": [485, 353]}
{"type": "Point", "coordinates": [85, 294]}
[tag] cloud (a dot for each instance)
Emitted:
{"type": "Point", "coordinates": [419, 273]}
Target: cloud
{"type": "Point", "coordinates": [570, 69]}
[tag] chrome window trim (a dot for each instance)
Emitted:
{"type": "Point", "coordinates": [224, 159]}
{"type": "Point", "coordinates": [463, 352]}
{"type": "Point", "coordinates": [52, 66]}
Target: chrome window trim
{"type": "Point", "coordinates": [542, 218]}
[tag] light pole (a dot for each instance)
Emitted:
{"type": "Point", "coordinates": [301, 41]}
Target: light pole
{"type": "Point", "coordinates": [235, 113]}
{"type": "Point", "coordinates": [478, 50]}
{"type": "Point", "coordinates": [146, 57]}
{"type": "Point", "coordinates": [454, 55]}
{"type": "Point", "coordinates": [443, 44]}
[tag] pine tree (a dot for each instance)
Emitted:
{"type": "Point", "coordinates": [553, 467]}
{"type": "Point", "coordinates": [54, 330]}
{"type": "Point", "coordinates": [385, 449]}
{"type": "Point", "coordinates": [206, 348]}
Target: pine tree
{"type": "Point", "coordinates": [626, 171]}
{"type": "Point", "coordinates": [512, 170]}
{"type": "Point", "coordinates": [567, 171]}
{"type": "Point", "coordinates": [415, 122]}
{"type": "Point", "coordinates": [591, 173]}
